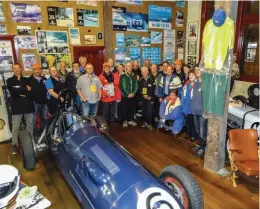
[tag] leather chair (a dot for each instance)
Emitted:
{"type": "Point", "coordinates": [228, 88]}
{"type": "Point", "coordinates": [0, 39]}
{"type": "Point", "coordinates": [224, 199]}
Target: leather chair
{"type": "Point", "coordinates": [243, 152]}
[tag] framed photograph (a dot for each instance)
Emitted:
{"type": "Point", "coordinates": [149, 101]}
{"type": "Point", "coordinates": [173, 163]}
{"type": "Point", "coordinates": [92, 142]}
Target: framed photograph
{"type": "Point", "coordinates": [74, 36]}
{"type": "Point", "coordinates": [192, 60]}
{"type": "Point", "coordinates": [90, 39]}
{"type": "Point", "coordinates": [193, 30]}
{"type": "Point", "coordinates": [192, 48]}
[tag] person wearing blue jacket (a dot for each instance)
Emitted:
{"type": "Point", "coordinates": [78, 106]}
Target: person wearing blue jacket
{"type": "Point", "coordinates": [186, 95]}
{"type": "Point", "coordinates": [197, 111]}
{"type": "Point", "coordinates": [171, 116]}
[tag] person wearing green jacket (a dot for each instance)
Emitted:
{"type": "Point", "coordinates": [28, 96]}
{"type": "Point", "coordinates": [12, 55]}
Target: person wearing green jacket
{"type": "Point", "coordinates": [129, 88]}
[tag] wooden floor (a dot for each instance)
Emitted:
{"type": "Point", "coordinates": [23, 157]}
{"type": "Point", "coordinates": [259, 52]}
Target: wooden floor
{"type": "Point", "coordinates": [154, 150]}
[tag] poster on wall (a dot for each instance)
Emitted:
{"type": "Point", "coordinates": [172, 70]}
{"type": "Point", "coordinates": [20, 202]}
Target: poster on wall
{"type": "Point", "coordinates": [74, 36]}
{"type": "Point", "coordinates": [133, 2]}
{"type": "Point", "coordinates": [192, 48]}
{"type": "Point", "coordinates": [169, 46]}
{"type": "Point", "coordinates": [28, 13]}
{"type": "Point", "coordinates": [3, 29]}
{"type": "Point", "coordinates": [156, 37]}
{"type": "Point", "coordinates": [25, 42]}
{"type": "Point", "coordinates": [179, 40]}
{"type": "Point", "coordinates": [88, 17]}
{"type": "Point", "coordinates": [180, 3]}
{"type": "Point", "coordinates": [193, 30]}
{"type": "Point", "coordinates": [52, 42]}
{"type": "Point", "coordinates": [48, 60]}
{"type": "Point", "coordinates": [179, 18]}
{"type": "Point", "coordinates": [90, 39]}
{"type": "Point", "coordinates": [2, 16]}
{"type": "Point", "coordinates": [160, 17]}
{"type": "Point", "coordinates": [28, 61]}
{"type": "Point", "coordinates": [87, 2]}
{"type": "Point", "coordinates": [133, 40]}
{"type": "Point", "coordinates": [120, 39]}
{"type": "Point", "coordinates": [153, 54]}
{"type": "Point", "coordinates": [24, 30]}
{"type": "Point", "coordinates": [137, 22]}
{"type": "Point", "coordinates": [180, 53]}
{"type": "Point", "coordinates": [119, 18]}
{"type": "Point", "coordinates": [135, 54]}
{"type": "Point", "coordinates": [6, 55]}
{"type": "Point", "coordinates": [192, 61]}
{"type": "Point", "coordinates": [145, 41]}
{"type": "Point", "coordinates": [120, 56]}
{"type": "Point", "coordinates": [60, 16]}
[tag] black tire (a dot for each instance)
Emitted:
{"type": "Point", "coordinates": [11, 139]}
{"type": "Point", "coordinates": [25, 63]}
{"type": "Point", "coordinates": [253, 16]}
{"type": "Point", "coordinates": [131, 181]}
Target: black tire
{"type": "Point", "coordinates": [180, 179]}
{"type": "Point", "coordinates": [241, 99]}
{"type": "Point", "coordinates": [27, 151]}
{"type": "Point", "coordinates": [253, 91]}
{"type": "Point", "coordinates": [102, 124]}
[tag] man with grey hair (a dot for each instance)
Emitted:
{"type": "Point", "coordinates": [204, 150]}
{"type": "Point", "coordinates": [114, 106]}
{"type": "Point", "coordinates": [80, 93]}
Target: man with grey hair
{"type": "Point", "coordinates": [146, 91]}
{"type": "Point", "coordinates": [83, 63]}
{"type": "Point", "coordinates": [111, 65]}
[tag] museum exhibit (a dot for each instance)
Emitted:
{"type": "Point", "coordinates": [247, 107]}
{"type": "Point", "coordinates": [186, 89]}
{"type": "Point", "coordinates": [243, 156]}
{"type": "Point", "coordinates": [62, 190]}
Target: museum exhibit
{"type": "Point", "coordinates": [129, 104]}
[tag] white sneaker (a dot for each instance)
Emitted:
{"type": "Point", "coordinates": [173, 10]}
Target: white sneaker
{"type": "Point", "coordinates": [150, 127]}
{"type": "Point", "coordinates": [132, 123]}
{"type": "Point", "coordinates": [125, 124]}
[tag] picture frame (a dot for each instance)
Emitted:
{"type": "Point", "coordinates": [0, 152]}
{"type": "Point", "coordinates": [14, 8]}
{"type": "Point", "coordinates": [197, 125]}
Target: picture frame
{"type": "Point", "coordinates": [192, 48]}
{"type": "Point", "coordinates": [192, 61]}
{"type": "Point", "coordinates": [90, 39]}
{"type": "Point", "coordinates": [193, 30]}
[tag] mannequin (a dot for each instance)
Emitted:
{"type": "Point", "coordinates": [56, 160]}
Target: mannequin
{"type": "Point", "coordinates": [218, 41]}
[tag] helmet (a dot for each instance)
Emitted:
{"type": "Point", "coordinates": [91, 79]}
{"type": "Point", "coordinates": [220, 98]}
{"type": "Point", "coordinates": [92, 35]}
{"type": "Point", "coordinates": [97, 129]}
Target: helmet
{"type": "Point", "coordinates": [9, 184]}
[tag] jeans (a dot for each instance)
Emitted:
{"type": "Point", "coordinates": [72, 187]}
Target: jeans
{"type": "Point", "coordinates": [189, 123]}
{"type": "Point", "coordinates": [89, 109]}
{"type": "Point", "coordinates": [16, 123]}
{"type": "Point", "coordinates": [41, 110]}
{"type": "Point", "coordinates": [201, 125]}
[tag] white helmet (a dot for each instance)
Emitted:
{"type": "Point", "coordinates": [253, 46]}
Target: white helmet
{"type": "Point", "coordinates": [9, 184]}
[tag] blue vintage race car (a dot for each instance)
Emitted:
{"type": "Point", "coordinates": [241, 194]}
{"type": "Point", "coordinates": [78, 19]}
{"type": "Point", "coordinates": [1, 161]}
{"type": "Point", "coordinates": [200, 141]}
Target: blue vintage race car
{"type": "Point", "coordinates": [101, 173]}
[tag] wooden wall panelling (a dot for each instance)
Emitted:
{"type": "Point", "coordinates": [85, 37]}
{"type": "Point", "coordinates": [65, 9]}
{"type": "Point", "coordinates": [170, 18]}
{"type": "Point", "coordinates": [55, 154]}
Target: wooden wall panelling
{"type": "Point", "coordinates": [12, 26]}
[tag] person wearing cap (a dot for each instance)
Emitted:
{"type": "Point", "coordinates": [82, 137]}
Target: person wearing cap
{"type": "Point", "coordinates": [178, 71]}
{"type": "Point", "coordinates": [39, 95]}
{"type": "Point", "coordinates": [89, 90]}
{"type": "Point", "coordinates": [21, 105]}
{"type": "Point", "coordinates": [83, 63]}
{"type": "Point", "coordinates": [107, 80]}
{"type": "Point", "coordinates": [71, 81]}
{"type": "Point", "coordinates": [62, 71]}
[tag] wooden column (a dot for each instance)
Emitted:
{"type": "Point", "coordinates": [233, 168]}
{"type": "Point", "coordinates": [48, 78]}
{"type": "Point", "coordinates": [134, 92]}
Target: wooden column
{"type": "Point", "coordinates": [214, 159]}
{"type": "Point", "coordinates": [108, 29]}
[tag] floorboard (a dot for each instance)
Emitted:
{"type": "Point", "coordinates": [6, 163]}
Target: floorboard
{"type": "Point", "coordinates": [155, 150]}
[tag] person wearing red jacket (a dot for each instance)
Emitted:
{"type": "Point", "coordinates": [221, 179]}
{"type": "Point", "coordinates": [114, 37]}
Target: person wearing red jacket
{"type": "Point", "coordinates": [108, 95]}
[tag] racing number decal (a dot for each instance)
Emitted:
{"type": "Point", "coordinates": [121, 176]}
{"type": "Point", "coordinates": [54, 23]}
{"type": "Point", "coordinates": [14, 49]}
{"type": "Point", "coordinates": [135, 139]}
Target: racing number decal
{"type": "Point", "coordinates": [156, 198]}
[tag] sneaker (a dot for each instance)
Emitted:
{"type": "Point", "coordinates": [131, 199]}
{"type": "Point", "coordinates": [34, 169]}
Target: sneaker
{"type": "Point", "coordinates": [195, 149]}
{"type": "Point", "coordinates": [150, 127]}
{"type": "Point", "coordinates": [200, 153]}
{"type": "Point", "coordinates": [15, 150]}
{"type": "Point", "coordinates": [125, 125]}
{"type": "Point", "coordinates": [132, 123]}
{"type": "Point", "coordinates": [138, 115]}
{"type": "Point", "coordinates": [144, 124]}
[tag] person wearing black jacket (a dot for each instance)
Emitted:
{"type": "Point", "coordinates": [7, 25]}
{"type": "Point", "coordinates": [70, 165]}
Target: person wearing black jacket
{"type": "Point", "coordinates": [136, 70]}
{"type": "Point", "coordinates": [39, 95]}
{"type": "Point", "coordinates": [178, 71]}
{"type": "Point", "coordinates": [71, 81]}
{"type": "Point", "coordinates": [146, 91]}
{"type": "Point", "coordinates": [22, 104]}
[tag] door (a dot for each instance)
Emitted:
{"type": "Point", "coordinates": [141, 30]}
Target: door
{"type": "Point", "coordinates": [94, 55]}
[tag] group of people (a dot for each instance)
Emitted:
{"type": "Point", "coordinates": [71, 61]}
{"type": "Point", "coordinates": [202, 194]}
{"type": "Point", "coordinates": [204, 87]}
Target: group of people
{"type": "Point", "coordinates": [168, 95]}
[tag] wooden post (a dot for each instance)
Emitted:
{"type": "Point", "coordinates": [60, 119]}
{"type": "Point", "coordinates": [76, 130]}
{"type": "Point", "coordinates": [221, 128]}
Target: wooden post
{"type": "Point", "coordinates": [214, 159]}
{"type": "Point", "coordinates": [108, 29]}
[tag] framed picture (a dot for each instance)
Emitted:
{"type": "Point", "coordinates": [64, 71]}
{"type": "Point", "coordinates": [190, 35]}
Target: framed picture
{"type": "Point", "coordinates": [192, 48]}
{"type": "Point", "coordinates": [193, 30]}
{"type": "Point", "coordinates": [90, 39]}
{"type": "Point", "coordinates": [192, 60]}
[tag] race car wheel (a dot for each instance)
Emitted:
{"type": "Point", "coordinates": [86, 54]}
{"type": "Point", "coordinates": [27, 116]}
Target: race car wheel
{"type": "Point", "coordinates": [184, 186]}
{"type": "Point", "coordinates": [253, 91]}
{"type": "Point", "coordinates": [102, 124]}
{"type": "Point", "coordinates": [27, 150]}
